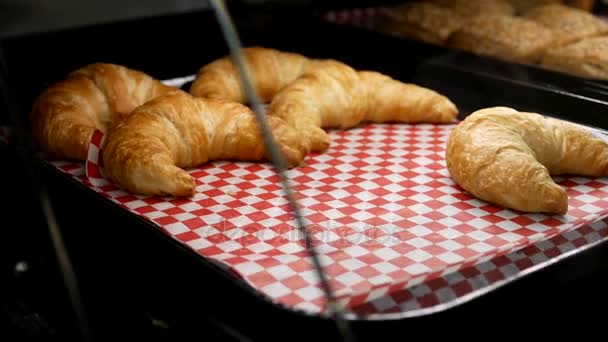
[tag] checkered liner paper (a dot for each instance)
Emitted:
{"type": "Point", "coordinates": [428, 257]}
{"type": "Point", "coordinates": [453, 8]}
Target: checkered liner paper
{"type": "Point", "coordinates": [395, 234]}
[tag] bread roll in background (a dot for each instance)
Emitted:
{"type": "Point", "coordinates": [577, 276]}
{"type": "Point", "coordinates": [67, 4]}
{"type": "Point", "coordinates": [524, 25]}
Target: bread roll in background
{"type": "Point", "coordinates": [586, 5]}
{"type": "Point", "coordinates": [509, 38]}
{"type": "Point", "coordinates": [522, 6]}
{"type": "Point", "coordinates": [422, 21]}
{"type": "Point", "coordinates": [586, 58]}
{"type": "Point", "coordinates": [569, 24]}
{"type": "Point", "coordinates": [477, 7]}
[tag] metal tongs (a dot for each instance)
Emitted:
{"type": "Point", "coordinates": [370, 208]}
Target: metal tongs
{"type": "Point", "coordinates": [234, 44]}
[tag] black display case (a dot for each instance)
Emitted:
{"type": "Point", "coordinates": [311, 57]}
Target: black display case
{"type": "Point", "coordinates": [138, 292]}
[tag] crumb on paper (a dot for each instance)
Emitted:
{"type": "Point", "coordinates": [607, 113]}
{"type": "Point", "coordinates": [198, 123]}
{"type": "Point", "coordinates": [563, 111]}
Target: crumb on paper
{"type": "Point", "coordinates": [230, 192]}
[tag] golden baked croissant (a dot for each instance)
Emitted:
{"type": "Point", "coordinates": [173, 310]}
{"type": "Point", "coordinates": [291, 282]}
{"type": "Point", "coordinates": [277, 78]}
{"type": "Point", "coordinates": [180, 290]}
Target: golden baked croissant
{"type": "Point", "coordinates": [96, 96]}
{"type": "Point", "coordinates": [335, 95]}
{"type": "Point", "coordinates": [270, 70]}
{"type": "Point", "coordinates": [146, 152]}
{"type": "Point", "coordinates": [507, 158]}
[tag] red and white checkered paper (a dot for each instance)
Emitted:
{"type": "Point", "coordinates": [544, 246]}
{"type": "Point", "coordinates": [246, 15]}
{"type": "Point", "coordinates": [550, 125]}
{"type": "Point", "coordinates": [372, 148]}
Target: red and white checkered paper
{"type": "Point", "coordinates": [358, 17]}
{"type": "Point", "coordinates": [395, 234]}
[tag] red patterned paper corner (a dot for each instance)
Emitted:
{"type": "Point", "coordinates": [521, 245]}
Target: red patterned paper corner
{"type": "Point", "coordinates": [94, 162]}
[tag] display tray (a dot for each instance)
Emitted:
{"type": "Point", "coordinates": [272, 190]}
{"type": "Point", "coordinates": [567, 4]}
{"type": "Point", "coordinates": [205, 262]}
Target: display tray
{"type": "Point", "coordinates": [531, 75]}
{"type": "Point", "coordinates": [397, 237]}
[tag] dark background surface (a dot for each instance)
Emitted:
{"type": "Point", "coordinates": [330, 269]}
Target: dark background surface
{"type": "Point", "coordinates": [156, 289]}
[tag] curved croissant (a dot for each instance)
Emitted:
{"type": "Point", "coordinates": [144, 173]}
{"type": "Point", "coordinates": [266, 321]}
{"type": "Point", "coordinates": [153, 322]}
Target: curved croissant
{"type": "Point", "coordinates": [507, 158]}
{"type": "Point", "coordinates": [146, 152]}
{"type": "Point", "coordinates": [96, 96]}
{"type": "Point", "coordinates": [270, 69]}
{"type": "Point", "coordinates": [335, 95]}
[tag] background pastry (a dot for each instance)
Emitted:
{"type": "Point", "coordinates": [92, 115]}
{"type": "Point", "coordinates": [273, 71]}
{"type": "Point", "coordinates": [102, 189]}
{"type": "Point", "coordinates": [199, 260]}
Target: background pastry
{"type": "Point", "coordinates": [507, 158]}
{"type": "Point", "coordinates": [97, 96]}
{"type": "Point", "coordinates": [420, 20]}
{"type": "Point", "coordinates": [586, 5]}
{"type": "Point", "coordinates": [471, 8]}
{"type": "Point", "coordinates": [569, 24]}
{"type": "Point", "coordinates": [585, 58]}
{"type": "Point", "coordinates": [505, 37]}
{"type": "Point", "coordinates": [522, 6]}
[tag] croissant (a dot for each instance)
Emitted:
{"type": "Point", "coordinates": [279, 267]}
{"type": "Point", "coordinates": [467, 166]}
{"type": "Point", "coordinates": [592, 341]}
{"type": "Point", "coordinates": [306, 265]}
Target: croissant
{"type": "Point", "coordinates": [507, 158]}
{"type": "Point", "coordinates": [270, 70]}
{"type": "Point", "coordinates": [146, 152]}
{"type": "Point", "coordinates": [96, 96]}
{"type": "Point", "coordinates": [335, 95]}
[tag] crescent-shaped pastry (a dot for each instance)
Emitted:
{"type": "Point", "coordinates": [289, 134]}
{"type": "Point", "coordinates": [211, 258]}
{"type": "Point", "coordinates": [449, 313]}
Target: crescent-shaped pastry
{"type": "Point", "coordinates": [270, 70]}
{"type": "Point", "coordinates": [146, 153]}
{"type": "Point", "coordinates": [507, 158]}
{"type": "Point", "coordinates": [335, 95]}
{"type": "Point", "coordinates": [96, 96]}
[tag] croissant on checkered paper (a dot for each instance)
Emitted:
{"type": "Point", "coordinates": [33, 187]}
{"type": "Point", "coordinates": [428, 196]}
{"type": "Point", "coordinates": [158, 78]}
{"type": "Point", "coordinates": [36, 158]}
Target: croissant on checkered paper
{"type": "Point", "coordinates": [270, 70]}
{"type": "Point", "coordinates": [148, 151]}
{"type": "Point", "coordinates": [507, 158]}
{"type": "Point", "coordinates": [96, 96]}
{"type": "Point", "coordinates": [334, 95]}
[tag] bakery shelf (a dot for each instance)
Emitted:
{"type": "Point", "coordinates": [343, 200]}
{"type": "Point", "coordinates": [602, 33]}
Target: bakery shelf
{"type": "Point", "coordinates": [363, 19]}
